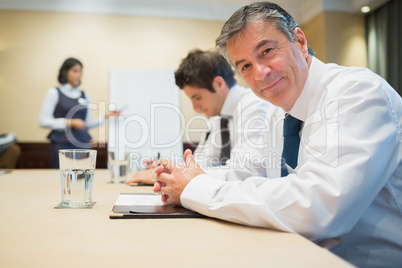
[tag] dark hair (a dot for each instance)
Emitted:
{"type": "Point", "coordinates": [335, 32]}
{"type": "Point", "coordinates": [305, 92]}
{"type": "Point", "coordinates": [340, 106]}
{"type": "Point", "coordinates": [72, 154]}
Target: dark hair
{"type": "Point", "coordinates": [266, 11]}
{"type": "Point", "coordinates": [67, 65]}
{"type": "Point", "coordinates": [200, 68]}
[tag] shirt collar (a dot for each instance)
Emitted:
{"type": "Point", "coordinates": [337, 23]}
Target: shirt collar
{"type": "Point", "coordinates": [231, 101]}
{"type": "Point", "coordinates": [312, 92]}
{"type": "Point", "coordinates": [68, 87]}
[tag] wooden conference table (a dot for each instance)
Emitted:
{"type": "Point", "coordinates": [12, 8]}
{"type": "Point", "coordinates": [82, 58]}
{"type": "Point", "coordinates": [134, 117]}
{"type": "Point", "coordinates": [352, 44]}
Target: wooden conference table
{"type": "Point", "coordinates": [34, 234]}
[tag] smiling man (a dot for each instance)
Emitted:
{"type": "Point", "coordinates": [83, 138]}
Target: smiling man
{"type": "Point", "coordinates": [230, 150]}
{"type": "Point", "coordinates": [343, 189]}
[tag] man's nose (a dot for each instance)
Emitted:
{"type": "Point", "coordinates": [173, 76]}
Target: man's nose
{"type": "Point", "coordinates": [261, 71]}
{"type": "Point", "coordinates": [196, 106]}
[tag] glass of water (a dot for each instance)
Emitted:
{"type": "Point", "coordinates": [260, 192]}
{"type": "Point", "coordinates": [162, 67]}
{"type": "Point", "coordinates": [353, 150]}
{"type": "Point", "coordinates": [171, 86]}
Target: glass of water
{"type": "Point", "coordinates": [77, 168]}
{"type": "Point", "coordinates": [118, 164]}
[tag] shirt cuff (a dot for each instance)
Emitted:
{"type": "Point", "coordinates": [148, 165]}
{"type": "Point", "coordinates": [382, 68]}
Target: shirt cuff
{"type": "Point", "coordinates": [199, 192]}
{"type": "Point", "coordinates": [59, 124]}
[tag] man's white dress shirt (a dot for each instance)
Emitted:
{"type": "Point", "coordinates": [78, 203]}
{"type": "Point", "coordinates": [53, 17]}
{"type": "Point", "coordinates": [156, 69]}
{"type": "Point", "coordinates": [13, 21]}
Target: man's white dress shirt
{"type": "Point", "coordinates": [346, 192]}
{"type": "Point", "coordinates": [246, 126]}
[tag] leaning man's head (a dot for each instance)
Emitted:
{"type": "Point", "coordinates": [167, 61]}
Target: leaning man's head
{"type": "Point", "coordinates": [205, 77]}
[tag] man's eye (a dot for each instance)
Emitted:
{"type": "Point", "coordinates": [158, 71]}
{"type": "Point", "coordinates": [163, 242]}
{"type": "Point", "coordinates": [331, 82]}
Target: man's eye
{"type": "Point", "coordinates": [266, 51]}
{"type": "Point", "coordinates": [245, 67]}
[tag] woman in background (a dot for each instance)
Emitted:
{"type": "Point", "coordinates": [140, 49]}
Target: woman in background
{"type": "Point", "coordinates": [65, 111]}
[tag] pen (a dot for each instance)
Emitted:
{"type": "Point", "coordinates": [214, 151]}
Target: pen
{"type": "Point", "coordinates": [139, 184]}
{"type": "Point", "coordinates": [123, 108]}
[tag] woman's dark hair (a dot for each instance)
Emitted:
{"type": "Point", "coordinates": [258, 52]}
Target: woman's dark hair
{"type": "Point", "coordinates": [200, 68]}
{"type": "Point", "coordinates": [67, 65]}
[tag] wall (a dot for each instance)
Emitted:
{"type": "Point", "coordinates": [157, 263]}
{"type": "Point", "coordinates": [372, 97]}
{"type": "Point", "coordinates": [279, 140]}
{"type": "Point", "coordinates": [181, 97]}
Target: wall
{"type": "Point", "coordinates": [33, 46]}
{"type": "Point", "coordinates": [345, 39]}
{"type": "Point", "coordinates": [315, 33]}
{"type": "Point", "coordinates": [338, 37]}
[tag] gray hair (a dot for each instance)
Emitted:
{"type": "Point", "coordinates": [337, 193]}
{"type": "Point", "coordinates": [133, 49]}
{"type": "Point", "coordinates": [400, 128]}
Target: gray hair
{"type": "Point", "coordinates": [266, 11]}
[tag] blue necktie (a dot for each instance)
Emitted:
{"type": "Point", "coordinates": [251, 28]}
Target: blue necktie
{"type": "Point", "coordinates": [291, 142]}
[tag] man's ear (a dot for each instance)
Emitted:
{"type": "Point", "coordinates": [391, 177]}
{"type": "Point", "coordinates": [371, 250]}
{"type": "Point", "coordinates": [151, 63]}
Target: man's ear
{"type": "Point", "coordinates": [301, 41]}
{"type": "Point", "coordinates": [218, 83]}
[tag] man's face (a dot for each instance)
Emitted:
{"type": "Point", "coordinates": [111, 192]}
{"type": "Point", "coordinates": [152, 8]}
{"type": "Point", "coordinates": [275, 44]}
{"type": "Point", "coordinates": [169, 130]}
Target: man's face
{"type": "Point", "coordinates": [204, 101]}
{"type": "Point", "coordinates": [274, 68]}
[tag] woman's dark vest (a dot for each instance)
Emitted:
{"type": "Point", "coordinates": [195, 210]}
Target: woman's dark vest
{"type": "Point", "coordinates": [62, 110]}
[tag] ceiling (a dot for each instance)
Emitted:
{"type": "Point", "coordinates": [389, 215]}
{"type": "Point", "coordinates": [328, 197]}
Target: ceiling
{"type": "Point", "coordinates": [301, 10]}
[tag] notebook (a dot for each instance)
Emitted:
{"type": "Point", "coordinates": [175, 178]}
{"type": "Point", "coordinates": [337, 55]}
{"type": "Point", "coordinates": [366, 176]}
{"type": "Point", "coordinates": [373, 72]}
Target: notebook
{"type": "Point", "coordinates": [147, 206]}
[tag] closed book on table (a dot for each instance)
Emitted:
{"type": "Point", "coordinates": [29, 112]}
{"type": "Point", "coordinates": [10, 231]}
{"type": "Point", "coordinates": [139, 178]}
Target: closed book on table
{"type": "Point", "coordinates": [147, 206]}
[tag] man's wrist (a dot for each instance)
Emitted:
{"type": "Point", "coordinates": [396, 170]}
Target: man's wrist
{"type": "Point", "coordinates": [198, 192]}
